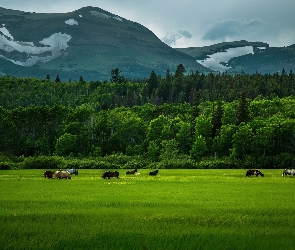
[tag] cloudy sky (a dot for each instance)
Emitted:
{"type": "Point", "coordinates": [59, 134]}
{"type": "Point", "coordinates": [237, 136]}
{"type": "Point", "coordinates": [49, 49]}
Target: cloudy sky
{"type": "Point", "coordinates": [191, 23]}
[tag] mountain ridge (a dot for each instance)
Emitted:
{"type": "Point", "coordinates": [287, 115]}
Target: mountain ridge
{"type": "Point", "coordinates": [90, 42]}
{"type": "Point", "coordinates": [95, 42]}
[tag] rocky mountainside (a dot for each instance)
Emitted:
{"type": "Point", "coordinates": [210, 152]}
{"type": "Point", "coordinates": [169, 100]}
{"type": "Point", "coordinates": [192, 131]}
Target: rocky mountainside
{"type": "Point", "coordinates": [91, 42]}
{"type": "Point", "coordinates": [88, 42]}
{"type": "Point", "coordinates": [249, 57]}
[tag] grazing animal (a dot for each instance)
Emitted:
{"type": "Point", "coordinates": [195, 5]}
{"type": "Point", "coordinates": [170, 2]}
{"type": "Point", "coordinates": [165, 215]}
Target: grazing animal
{"type": "Point", "coordinates": [73, 171]}
{"type": "Point", "coordinates": [288, 172]}
{"type": "Point", "coordinates": [61, 175]}
{"type": "Point", "coordinates": [154, 172]}
{"type": "Point", "coordinates": [132, 171]}
{"type": "Point", "coordinates": [109, 174]}
{"type": "Point", "coordinates": [254, 172]}
{"type": "Point", "coordinates": [48, 174]}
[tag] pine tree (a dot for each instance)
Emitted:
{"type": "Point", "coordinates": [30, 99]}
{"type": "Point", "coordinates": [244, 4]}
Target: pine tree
{"type": "Point", "coordinates": [152, 83]}
{"type": "Point", "coordinates": [216, 117]}
{"type": "Point", "coordinates": [194, 113]}
{"type": "Point", "coordinates": [57, 79]}
{"type": "Point", "coordinates": [180, 71]}
{"type": "Point", "coordinates": [116, 76]}
{"type": "Point", "coordinates": [242, 114]}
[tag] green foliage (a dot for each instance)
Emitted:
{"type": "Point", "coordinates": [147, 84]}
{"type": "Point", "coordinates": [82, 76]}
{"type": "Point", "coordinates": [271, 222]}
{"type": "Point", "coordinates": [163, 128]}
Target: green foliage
{"type": "Point", "coordinates": [42, 162]}
{"type": "Point", "coordinates": [153, 151]}
{"type": "Point", "coordinates": [169, 149]}
{"type": "Point", "coordinates": [199, 148]}
{"type": "Point", "coordinates": [183, 162]}
{"type": "Point", "coordinates": [242, 141]}
{"type": "Point", "coordinates": [117, 159]}
{"type": "Point", "coordinates": [66, 145]}
{"type": "Point", "coordinates": [136, 162]}
{"type": "Point", "coordinates": [115, 123]}
{"type": "Point", "coordinates": [89, 163]}
{"type": "Point", "coordinates": [6, 165]}
{"type": "Point", "coordinates": [226, 163]}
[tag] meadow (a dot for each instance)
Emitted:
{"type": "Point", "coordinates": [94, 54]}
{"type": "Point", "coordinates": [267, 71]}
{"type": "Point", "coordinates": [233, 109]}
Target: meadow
{"type": "Point", "coordinates": [177, 209]}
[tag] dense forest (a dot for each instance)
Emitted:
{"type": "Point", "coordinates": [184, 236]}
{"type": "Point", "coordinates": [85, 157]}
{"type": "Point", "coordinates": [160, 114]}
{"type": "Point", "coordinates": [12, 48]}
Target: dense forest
{"type": "Point", "coordinates": [178, 121]}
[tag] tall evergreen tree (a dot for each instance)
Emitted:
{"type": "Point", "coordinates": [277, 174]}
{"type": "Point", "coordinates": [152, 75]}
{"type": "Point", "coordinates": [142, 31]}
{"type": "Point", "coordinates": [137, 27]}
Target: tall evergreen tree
{"type": "Point", "coordinates": [216, 118]}
{"type": "Point", "coordinates": [195, 112]}
{"type": "Point", "coordinates": [242, 114]}
{"type": "Point", "coordinates": [152, 83]}
{"type": "Point", "coordinates": [116, 76]}
{"type": "Point", "coordinates": [180, 71]}
{"type": "Point", "coordinates": [57, 79]}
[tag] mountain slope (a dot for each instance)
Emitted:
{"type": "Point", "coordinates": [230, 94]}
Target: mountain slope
{"type": "Point", "coordinates": [249, 57]}
{"type": "Point", "coordinates": [88, 42]}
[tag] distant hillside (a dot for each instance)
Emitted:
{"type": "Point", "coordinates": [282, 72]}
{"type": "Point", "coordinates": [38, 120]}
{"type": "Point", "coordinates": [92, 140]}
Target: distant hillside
{"type": "Point", "coordinates": [249, 57]}
{"type": "Point", "coordinates": [88, 42]}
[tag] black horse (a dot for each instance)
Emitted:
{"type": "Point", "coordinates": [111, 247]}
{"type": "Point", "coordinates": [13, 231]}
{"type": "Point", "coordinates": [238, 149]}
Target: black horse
{"type": "Point", "coordinates": [254, 172]}
{"type": "Point", "coordinates": [109, 174]}
{"type": "Point", "coordinates": [154, 173]}
{"type": "Point", "coordinates": [132, 171]}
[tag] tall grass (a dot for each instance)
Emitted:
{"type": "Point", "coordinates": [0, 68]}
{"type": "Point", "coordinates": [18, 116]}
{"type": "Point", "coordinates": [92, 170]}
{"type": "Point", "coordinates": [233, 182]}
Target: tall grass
{"type": "Point", "coordinates": [178, 209]}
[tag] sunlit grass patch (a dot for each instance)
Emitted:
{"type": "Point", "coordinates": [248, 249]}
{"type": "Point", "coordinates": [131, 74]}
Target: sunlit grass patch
{"type": "Point", "coordinates": [177, 209]}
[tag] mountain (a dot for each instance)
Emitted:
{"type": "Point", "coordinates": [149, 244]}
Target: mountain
{"type": "Point", "coordinates": [91, 42]}
{"type": "Point", "coordinates": [88, 42]}
{"type": "Point", "coordinates": [249, 57]}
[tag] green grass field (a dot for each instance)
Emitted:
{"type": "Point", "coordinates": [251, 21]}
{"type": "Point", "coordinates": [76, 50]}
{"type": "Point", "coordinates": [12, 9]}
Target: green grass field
{"type": "Point", "coordinates": [178, 209]}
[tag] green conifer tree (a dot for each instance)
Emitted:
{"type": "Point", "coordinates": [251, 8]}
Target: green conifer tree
{"type": "Point", "coordinates": [242, 114]}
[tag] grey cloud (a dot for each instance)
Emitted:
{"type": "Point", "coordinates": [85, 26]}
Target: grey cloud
{"type": "Point", "coordinates": [231, 28]}
{"type": "Point", "coordinates": [172, 38]}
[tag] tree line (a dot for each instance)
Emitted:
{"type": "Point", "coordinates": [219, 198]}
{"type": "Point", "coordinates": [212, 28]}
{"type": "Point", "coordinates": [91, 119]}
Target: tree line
{"type": "Point", "coordinates": [177, 88]}
{"type": "Point", "coordinates": [181, 120]}
{"type": "Point", "coordinates": [259, 131]}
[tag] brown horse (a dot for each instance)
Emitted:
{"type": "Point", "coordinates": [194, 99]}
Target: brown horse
{"type": "Point", "coordinates": [132, 171]}
{"type": "Point", "coordinates": [61, 175]}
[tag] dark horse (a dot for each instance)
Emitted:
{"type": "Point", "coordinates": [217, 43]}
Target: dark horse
{"type": "Point", "coordinates": [132, 171]}
{"type": "Point", "coordinates": [254, 172]}
{"type": "Point", "coordinates": [48, 174]}
{"type": "Point", "coordinates": [109, 174]}
{"type": "Point", "coordinates": [154, 172]}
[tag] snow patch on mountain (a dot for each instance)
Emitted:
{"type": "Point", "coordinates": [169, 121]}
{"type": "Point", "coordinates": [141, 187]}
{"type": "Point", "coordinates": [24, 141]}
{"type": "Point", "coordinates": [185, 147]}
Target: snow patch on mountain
{"type": "Point", "coordinates": [99, 14]}
{"type": "Point", "coordinates": [5, 32]}
{"type": "Point", "coordinates": [118, 18]}
{"type": "Point", "coordinates": [102, 15]}
{"type": "Point", "coordinates": [28, 52]}
{"type": "Point", "coordinates": [214, 61]}
{"type": "Point", "coordinates": [71, 22]}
